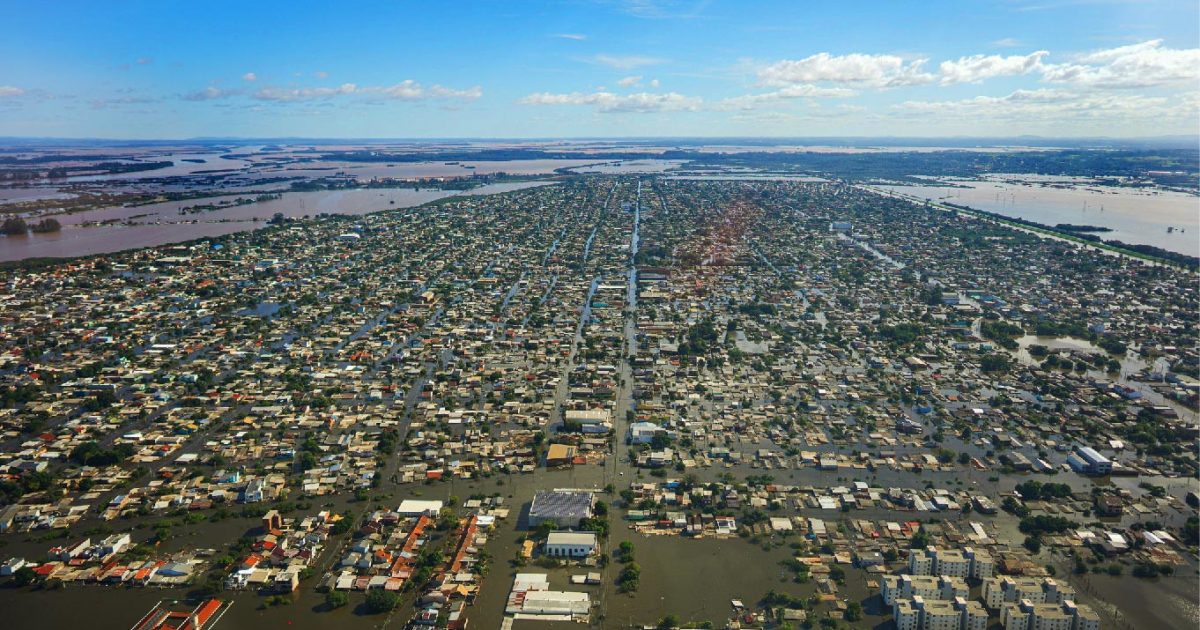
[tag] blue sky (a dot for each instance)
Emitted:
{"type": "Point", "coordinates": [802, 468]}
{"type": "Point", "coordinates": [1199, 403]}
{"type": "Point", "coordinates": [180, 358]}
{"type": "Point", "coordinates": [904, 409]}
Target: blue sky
{"type": "Point", "coordinates": [575, 68]}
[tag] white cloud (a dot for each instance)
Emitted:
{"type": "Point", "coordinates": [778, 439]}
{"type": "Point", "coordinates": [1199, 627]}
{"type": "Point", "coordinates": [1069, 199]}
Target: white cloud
{"type": "Point", "coordinates": [208, 94]}
{"type": "Point", "coordinates": [408, 90]}
{"type": "Point", "coordinates": [790, 92]}
{"type": "Point", "coordinates": [1007, 42]}
{"type": "Point", "coordinates": [249, 76]}
{"type": "Point", "coordinates": [654, 83]}
{"type": "Point", "coordinates": [470, 93]}
{"type": "Point", "coordinates": [976, 68]}
{"type": "Point", "coordinates": [626, 62]}
{"type": "Point", "coordinates": [1035, 107]}
{"type": "Point", "coordinates": [889, 71]}
{"type": "Point", "coordinates": [284, 95]}
{"type": "Point", "coordinates": [663, 9]}
{"type": "Point", "coordinates": [1147, 64]}
{"type": "Point", "coordinates": [641, 102]}
{"type": "Point", "coordinates": [630, 81]}
{"type": "Point", "coordinates": [145, 61]}
{"type": "Point", "coordinates": [572, 36]}
{"type": "Point", "coordinates": [320, 74]}
{"type": "Point", "coordinates": [9, 91]}
{"type": "Point", "coordinates": [855, 68]}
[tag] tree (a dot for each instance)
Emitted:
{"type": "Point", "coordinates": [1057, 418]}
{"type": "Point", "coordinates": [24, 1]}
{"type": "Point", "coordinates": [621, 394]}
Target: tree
{"type": "Point", "coordinates": [336, 599]}
{"type": "Point", "coordinates": [853, 612]}
{"type": "Point", "coordinates": [46, 225]}
{"type": "Point", "coordinates": [668, 622]}
{"type": "Point", "coordinates": [14, 226]}
{"type": "Point", "coordinates": [24, 576]}
{"type": "Point", "coordinates": [919, 540]}
{"type": "Point", "coordinates": [381, 601]}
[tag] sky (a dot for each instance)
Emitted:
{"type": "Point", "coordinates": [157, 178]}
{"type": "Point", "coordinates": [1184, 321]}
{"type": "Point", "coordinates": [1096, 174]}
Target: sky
{"type": "Point", "coordinates": [599, 68]}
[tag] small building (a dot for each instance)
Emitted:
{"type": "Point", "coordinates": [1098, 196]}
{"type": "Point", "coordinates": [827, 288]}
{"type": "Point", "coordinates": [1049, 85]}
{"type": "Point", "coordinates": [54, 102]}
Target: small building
{"type": "Point", "coordinates": [642, 432]}
{"type": "Point", "coordinates": [416, 507]}
{"type": "Point", "coordinates": [272, 520]}
{"type": "Point", "coordinates": [570, 544]}
{"type": "Point", "coordinates": [1088, 461]}
{"type": "Point", "coordinates": [560, 455]}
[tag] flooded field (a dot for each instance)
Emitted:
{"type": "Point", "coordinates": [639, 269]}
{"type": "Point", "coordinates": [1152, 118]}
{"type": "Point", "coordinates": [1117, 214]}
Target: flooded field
{"type": "Point", "coordinates": [1135, 216]}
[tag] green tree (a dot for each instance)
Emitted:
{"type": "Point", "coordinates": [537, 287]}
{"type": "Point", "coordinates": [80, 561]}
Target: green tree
{"type": "Point", "coordinates": [336, 599]}
{"type": "Point", "coordinates": [381, 601]}
{"type": "Point", "coordinates": [24, 577]}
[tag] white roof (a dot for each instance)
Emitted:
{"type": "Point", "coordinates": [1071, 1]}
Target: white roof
{"type": "Point", "coordinates": [571, 538]}
{"type": "Point", "coordinates": [416, 506]}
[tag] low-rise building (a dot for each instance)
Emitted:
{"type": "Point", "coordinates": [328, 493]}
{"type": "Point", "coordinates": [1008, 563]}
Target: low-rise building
{"type": "Point", "coordinates": [570, 544]}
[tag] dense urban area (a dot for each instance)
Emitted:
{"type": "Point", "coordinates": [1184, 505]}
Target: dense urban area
{"type": "Point", "coordinates": [622, 400]}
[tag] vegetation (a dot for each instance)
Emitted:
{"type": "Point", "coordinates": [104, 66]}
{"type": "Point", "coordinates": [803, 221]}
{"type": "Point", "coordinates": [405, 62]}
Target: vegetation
{"type": "Point", "coordinates": [381, 601]}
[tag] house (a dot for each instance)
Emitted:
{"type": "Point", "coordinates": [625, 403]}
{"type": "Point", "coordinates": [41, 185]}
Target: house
{"type": "Point", "coordinates": [642, 432]}
{"type": "Point", "coordinates": [12, 565]}
{"type": "Point", "coordinates": [253, 493]}
{"type": "Point", "coordinates": [272, 520]}
{"type": "Point", "coordinates": [114, 544]}
{"type": "Point", "coordinates": [570, 544]}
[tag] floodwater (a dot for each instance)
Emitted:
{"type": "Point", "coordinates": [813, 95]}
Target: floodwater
{"type": "Point", "coordinates": [764, 177]}
{"type": "Point", "coordinates": [10, 195]}
{"type": "Point", "coordinates": [185, 164]}
{"type": "Point", "coordinates": [695, 579]}
{"type": "Point", "coordinates": [162, 223]}
{"type": "Point", "coordinates": [629, 167]}
{"type": "Point", "coordinates": [1136, 216]}
{"type": "Point", "coordinates": [366, 171]}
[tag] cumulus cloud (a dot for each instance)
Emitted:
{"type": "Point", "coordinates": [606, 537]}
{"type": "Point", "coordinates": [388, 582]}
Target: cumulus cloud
{"type": "Point", "coordinates": [630, 81]}
{"type": "Point", "coordinates": [626, 62]}
{"type": "Point", "coordinates": [889, 71]}
{"type": "Point", "coordinates": [9, 91]}
{"type": "Point", "coordinates": [641, 102]}
{"type": "Point", "coordinates": [855, 68]}
{"type": "Point", "coordinates": [654, 83]}
{"type": "Point", "coordinates": [790, 92]}
{"type": "Point", "coordinates": [976, 68]}
{"type": "Point", "coordinates": [1148, 64]}
{"type": "Point", "coordinates": [249, 76]}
